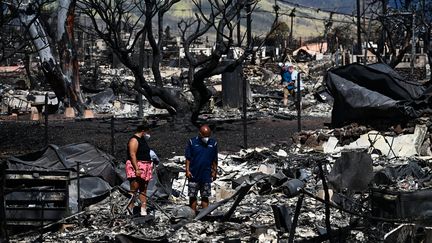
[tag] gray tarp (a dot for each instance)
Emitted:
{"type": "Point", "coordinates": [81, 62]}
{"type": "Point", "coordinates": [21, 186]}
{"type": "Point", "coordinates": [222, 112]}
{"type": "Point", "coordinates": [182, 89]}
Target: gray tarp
{"type": "Point", "coordinates": [97, 168]}
{"type": "Point", "coordinates": [373, 92]}
{"type": "Point", "coordinates": [93, 162]}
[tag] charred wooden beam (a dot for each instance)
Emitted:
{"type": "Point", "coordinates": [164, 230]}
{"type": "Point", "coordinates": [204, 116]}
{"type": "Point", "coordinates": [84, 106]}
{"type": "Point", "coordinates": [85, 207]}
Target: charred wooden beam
{"type": "Point", "coordinates": [295, 218]}
{"type": "Point", "coordinates": [327, 199]}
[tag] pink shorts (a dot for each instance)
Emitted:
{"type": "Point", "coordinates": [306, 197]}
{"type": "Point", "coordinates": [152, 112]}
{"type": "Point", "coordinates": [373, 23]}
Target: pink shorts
{"type": "Point", "coordinates": [144, 166]}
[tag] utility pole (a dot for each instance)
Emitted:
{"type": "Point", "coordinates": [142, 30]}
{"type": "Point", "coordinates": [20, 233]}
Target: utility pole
{"type": "Point", "coordinates": [238, 27]}
{"type": "Point", "coordinates": [248, 23]}
{"type": "Point", "coordinates": [358, 28]}
{"type": "Point", "coordinates": [413, 43]}
{"type": "Point", "coordinates": [292, 15]}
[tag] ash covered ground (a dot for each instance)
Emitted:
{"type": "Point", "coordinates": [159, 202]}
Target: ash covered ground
{"type": "Point", "coordinates": [23, 137]}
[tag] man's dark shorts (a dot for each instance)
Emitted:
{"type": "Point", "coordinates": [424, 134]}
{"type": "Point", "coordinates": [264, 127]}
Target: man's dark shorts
{"type": "Point", "coordinates": [203, 188]}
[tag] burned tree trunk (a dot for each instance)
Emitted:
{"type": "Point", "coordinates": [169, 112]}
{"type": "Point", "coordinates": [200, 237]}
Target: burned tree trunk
{"type": "Point", "coordinates": [109, 12]}
{"type": "Point", "coordinates": [158, 97]}
{"type": "Point", "coordinates": [67, 49]}
{"type": "Point", "coordinates": [428, 49]}
{"type": "Point", "coordinates": [50, 67]}
{"type": "Point", "coordinates": [64, 84]}
{"type": "Point", "coordinates": [221, 18]}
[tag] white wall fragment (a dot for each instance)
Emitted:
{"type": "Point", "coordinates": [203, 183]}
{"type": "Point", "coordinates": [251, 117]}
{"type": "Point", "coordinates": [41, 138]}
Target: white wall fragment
{"type": "Point", "coordinates": [401, 146]}
{"type": "Point", "coordinates": [330, 146]}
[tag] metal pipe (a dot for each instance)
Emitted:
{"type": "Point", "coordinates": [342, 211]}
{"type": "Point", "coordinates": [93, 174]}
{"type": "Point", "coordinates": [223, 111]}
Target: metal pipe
{"type": "Point", "coordinates": [78, 191]}
{"type": "Point", "coordinates": [290, 40]}
{"type": "Point", "coordinates": [248, 23]}
{"type": "Point", "coordinates": [112, 135]}
{"type": "Point", "coordinates": [413, 43]}
{"type": "Point", "coordinates": [238, 28]}
{"type": "Point", "coordinates": [140, 105]}
{"type": "Point", "coordinates": [244, 109]}
{"type": "Point", "coordinates": [358, 28]}
{"type": "Point", "coordinates": [299, 106]}
{"type": "Point", "coordinates": [46, 119]}
{"type": "Point", "coordinates": [295, 218]}
{"type": "Point", "coordinates": [327, 199]}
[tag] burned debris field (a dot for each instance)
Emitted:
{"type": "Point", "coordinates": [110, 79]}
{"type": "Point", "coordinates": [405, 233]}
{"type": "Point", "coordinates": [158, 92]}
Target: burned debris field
{"type": "Point", "coordinates": [365, 181]}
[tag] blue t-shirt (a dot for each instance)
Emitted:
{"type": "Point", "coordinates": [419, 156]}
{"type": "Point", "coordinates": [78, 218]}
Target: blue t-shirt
{"type": "Point", "coordinates": [287, 79]}
{"type": "Point", "coordinates": [201, 157]}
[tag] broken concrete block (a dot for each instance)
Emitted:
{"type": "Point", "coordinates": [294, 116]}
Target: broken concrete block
{"type": "Point", "coordinates": [69, 112]}
{"type": "Point", "coordinates": [281, 153]}
{"type": "Point", "coordinates": [223, 193]}
{"type": "Point", "coordinates": [267, 169]}
{"type": "Point", "coordinates": [88, 114]}
{"type": "Point", "coordinates": [127, 108]}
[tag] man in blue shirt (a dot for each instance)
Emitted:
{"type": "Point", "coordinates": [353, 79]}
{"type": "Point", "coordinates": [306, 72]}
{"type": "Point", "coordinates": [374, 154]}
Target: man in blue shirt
{"type": "Point", "coordinates": [201, 166]}
{"type": "Point", "coordinates": [286, 82]}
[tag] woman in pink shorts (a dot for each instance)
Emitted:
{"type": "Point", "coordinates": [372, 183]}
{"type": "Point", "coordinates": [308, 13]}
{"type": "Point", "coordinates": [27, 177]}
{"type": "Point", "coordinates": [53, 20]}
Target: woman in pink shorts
{"type": "Point", "coordinates": [139, 166]}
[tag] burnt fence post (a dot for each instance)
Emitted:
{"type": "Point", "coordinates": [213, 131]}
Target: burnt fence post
{"type": "Point", "coordinates": [327, 199]}
{"type": "Point", "coordinates": [299, 103]}
{"type": "Point", "coordinates": [112, 136]}
{"type": "Point", "coordinates": [244, 109]}
{"type": "Point", "coordinates": [46, 119]}
{"type": "Point", "coordinates": [295, 218]}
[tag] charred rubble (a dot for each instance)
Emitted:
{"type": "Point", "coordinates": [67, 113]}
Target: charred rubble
{"type": "Point", "coordinates": [338, 188]}
{"type": "Point", "coordinates": [262, 194]}
{"type": "Point", "coordinates": [108, 93]}
{"type": "Point", "coordinates": [362, 180]}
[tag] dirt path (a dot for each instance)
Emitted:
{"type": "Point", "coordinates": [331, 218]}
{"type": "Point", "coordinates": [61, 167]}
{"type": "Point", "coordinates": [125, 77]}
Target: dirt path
{"type": "Point", "coordinates": [23, 137]}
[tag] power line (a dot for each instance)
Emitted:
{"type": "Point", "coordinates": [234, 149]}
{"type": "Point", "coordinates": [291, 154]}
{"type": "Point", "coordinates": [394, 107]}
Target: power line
{"type": "Point", "coordinates": [315, 9]}
{"type": "Point", "coordinates": [351, 16]}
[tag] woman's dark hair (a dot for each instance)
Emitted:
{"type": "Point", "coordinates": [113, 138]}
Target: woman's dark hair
{"type": "Point", "coordinates": [143, 127]}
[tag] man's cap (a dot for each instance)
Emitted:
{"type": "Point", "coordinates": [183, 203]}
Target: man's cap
{"type": "Point", "coordinates": [288, 64]}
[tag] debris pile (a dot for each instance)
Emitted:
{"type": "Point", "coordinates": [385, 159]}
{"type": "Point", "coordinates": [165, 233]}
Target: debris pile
{"type": "Point", "coordinates": [268, 194]}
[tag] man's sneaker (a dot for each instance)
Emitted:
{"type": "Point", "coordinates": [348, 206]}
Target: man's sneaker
{"type": "Point", "coordinates": [143, 211]}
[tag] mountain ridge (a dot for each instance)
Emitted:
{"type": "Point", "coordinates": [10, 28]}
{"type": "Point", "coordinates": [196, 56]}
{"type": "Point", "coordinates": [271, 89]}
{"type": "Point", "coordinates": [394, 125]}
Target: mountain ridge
{"type": "Point", "coordinates": [310, 16]}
